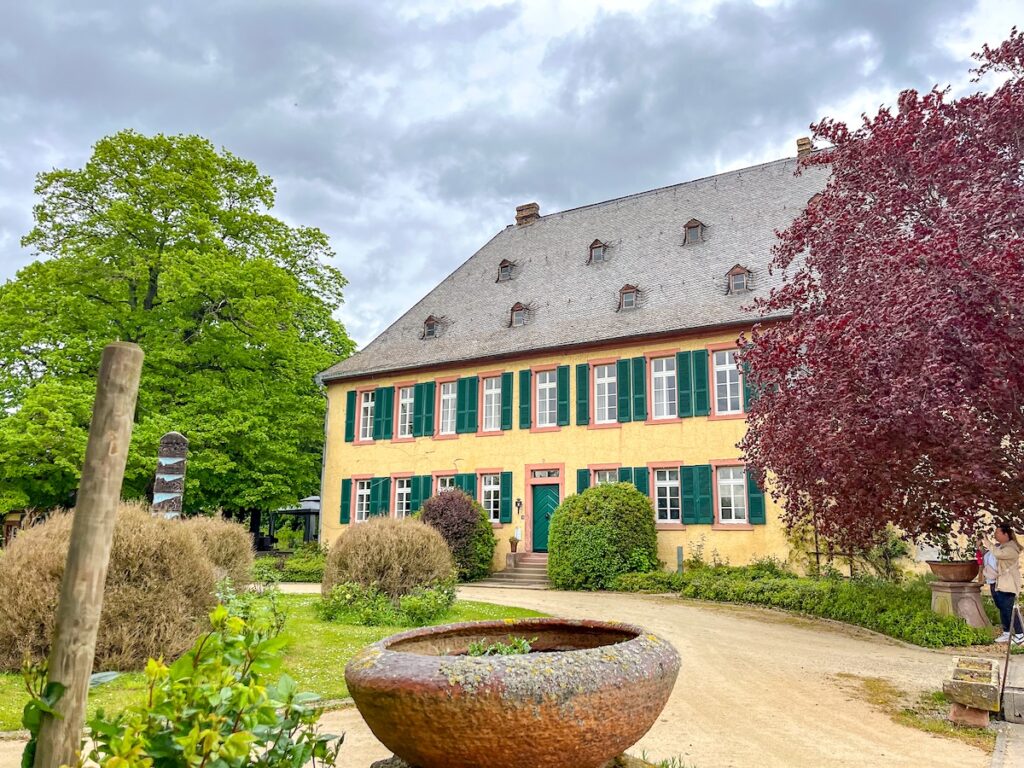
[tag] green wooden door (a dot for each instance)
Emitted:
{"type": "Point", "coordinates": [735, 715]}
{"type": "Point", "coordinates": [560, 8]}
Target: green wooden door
{"type": "Point", "coordinates": [545, 501]}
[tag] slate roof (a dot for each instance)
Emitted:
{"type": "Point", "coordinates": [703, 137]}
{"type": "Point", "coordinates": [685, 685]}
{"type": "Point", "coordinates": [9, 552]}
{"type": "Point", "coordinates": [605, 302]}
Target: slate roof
{"type": "Point", "coordinates": [570, 302]}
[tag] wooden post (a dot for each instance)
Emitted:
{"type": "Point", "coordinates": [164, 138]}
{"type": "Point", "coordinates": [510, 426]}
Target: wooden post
{"type": "Point", "coordinates": [92, 531]}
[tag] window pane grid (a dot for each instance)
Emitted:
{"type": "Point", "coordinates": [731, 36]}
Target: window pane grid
{"type": "Point", "coordinates": [492, 404]}
{"type": "Point", "coordinates": [547, 405]}
{"type": "Point", "coordinates": [362, 500]}
{"type": "Point", "coordinates": [366, 416]}
{"type": "Point", "coordinates": [448, 404]}
{"type": "Point", "coordinates": [405, 401]}
{"type": "Point", "coordinates": [606, 403]}
{"type": "Point", "coordinates": [445, 483]}
{"type": "Point", "coordinates": [403, 496]}
{"type": "Point", "coordinates": [605, 476]}
{"type": "Point", "coordinates": [727, 383]}
{"type": "Point", "coordinates": [667, 495]}
{"type": "Point", "coordinates": [663, 386]}
{"type": "Point", "coordinates": [492, 497]}
{"type": "Point", "coordinates": [732, 495]}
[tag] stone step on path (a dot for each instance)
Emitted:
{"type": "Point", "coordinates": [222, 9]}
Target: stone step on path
{"type": "Point", "coordinates": [529, 572]}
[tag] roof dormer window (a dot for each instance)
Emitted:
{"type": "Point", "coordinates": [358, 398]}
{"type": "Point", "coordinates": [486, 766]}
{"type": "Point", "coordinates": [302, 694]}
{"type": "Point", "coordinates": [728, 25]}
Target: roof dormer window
{"type": "Point", "coordinates": [739, 279]}
{"type": "Point", "coordinates": [694, 232]}
{"type": "Point", "coordinates": [505, 270]}
{"type": "Point", "coordinates": [629, 297]}
{"type": "Point", "coordinates": [598, 252]}
{"type": "Point", "coordinates": [431, 328]}
{"type": "Point", "coordinates": [518, 317]}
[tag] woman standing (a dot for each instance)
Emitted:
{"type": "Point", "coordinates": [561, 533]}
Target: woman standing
{"type": "Point", "coordinates": [1007, 556]}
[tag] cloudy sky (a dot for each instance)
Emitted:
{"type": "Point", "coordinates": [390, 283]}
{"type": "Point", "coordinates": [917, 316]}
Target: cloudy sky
{"type": "Point", "coordinates": [410, 131]}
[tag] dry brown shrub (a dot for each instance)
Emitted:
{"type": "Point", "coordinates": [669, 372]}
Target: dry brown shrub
{"type": "Point", "coordinates": [396, 556]}
{"type": "Point", "coordinates": [227, 544]}
{"type": "Point", "coordinates": [158, 592]}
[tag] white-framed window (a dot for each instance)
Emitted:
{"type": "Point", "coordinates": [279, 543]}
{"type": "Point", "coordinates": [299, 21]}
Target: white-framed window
{"type": "Point", "coordinates": [449, 401]}
{"type": "Point", "coordinates": [694, 232]}
{"type": "Point", "coordinates": [606, 397]}
{"type": "Point", "coordinates": [366, 416]}
{"type": "Point", "coordinates": [491, 494]}
{"type": "Point", "coordinates": [518, 317]}
{"type": "Point", "coordinates": [628, 300]}
{"type": "Point", "coordinates": [547, 399]}
{"type": "Point", "coordinates": [667, 495]}
{"type": "Point", "coordinates": [597, 252]}
{"type": "Point", "coordinates": [728, 392]}
{"type": "Point", "coordinates": [605, 476]}
{"type": "Point", "coordinates": [492, 404]}
{"type": "Point", "coordinates": [663, 387]}
{"type": "Point", "coordinates": [405, 402]}
{"type": "Point", "coordinates": [362, 500]}
{"type": "Point", "coordinates": [504, 272]}
{"type": "Point", "coordinates": [732, 494]}
{"type": "Point", "coordinates": [430, 329]}
{"type": "Point", "coordinates": [738, 283]}
{"type": "Point", "coordinates": [403, 496]}
{"type": "Point", "coordinates": [445, 483]}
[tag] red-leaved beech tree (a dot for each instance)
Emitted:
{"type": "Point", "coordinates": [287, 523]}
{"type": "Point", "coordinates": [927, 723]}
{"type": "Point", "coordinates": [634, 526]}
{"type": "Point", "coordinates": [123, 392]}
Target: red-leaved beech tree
{"type": "Point", "coordinates": [895, 394]}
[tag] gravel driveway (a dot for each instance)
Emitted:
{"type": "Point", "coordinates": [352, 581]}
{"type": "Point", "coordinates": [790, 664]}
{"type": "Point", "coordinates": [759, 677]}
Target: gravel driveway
{"type": "Point", "coordinates": [757, 688]}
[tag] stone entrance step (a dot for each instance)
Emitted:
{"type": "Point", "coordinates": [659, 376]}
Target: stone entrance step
{"type": "Point", "coordinates": [526, 570]}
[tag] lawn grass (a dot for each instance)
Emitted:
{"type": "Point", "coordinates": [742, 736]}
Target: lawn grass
{"type": "Point", "coordinates": [315, 657]}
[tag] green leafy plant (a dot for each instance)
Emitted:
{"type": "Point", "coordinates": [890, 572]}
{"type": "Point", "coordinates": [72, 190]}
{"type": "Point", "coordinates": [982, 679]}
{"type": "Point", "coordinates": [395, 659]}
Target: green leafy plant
{"type": "Point", "coordinates": [266, 571]}
{"type": "Point", "coordinates": [465, 527]}
{"type": "Point", "coordinates": [306, 564]}
{"type": "Point", "coordinates": [352, 603]}
{"type": "Point", "coordinates": [43, 697]}
{"type": "Point", "coordinates": [599, 534]}
{"type": "Point", "coordinates": [218, 706]}
{"type": "Point", "coordinates": [514, 647]}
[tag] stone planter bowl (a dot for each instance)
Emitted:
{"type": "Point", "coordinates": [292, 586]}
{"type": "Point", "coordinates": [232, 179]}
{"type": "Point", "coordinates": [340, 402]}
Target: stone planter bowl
{"type": "Point", "coordinates": [954, 570]}
{"type": "Point", "coordinates": [587, 692]}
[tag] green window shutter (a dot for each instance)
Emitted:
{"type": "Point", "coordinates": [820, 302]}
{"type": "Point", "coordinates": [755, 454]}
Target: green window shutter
{"type": "Point", "coordinates": [755, 501]}
{"type": "Point", "coordinates": [384, 497]}
{"type": "Point", "coordinates": [346, 500]}
{"type": "Point", "coordinates": [684, 382]}
{"type": "Point", "coordinates": [583, 394]}
{"type": "Point", "coordinates": [701, 401]}
{"type": "Point", "coordinates": [505, 508]}
{"type": "Point", "coordinates": [562, 395]}
{"type": "Point", "coordinates": [417, 410]}
{"type": "Point", "coordinates": [466, 482]}
{"type": "Point", "coordinates": [582, 480]}
{"type": "Point", "coordinates": [625, 474]}
{"type": "Point", "coordinates": [525, 393]}
{"type": "Point", "coordinates": [466, 405]}
{"type": "Point", "coordinates": [639, 388]}
{"type": "Point", "coordinates": [383, 412]}
{"type": "Point", "coordinates": [506, 400]}
{"type": "Point", "coordinates": [420, 491]}
{"type": "Point", "coordinates": [428, 408]}
{"type": "Point", "coordinates": [688, 494]}
{"type": "Point", "coordinates": [350, 416]}
{"type": "Point", "coordinates": [749, 390]}
{"type": "Point", "coordinates": [624, 389]}
{"type": "Point", "coordinates": [374, 497]}
{"type": "Point", "coordinates": [702, 476]}
{"type": "Point", "coordinates": [415, 499]}
{"type": "Point", "coordinates": [640, 479]}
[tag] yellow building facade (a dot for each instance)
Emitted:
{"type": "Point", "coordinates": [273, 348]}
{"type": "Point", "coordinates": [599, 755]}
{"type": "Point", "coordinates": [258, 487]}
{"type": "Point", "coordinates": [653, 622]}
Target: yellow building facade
{"type": "Point", "coordinates": [587, 346]}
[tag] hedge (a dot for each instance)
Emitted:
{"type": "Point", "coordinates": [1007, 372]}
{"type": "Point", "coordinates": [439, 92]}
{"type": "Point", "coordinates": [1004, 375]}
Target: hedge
{"type": "Point", "coordinates": [902, 611]}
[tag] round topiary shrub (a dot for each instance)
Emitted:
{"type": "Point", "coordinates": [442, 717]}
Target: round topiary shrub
{"type": "Point", "coordinates": [599, 534]}
{"type": "Point", "coordinates": [464, 525]}
{"type": "Point", "coordinates": [228, 546]}
{"type": "Point", "coordinates": [392, 556]}
{"type": "Point", "coordinates": [158, 592]}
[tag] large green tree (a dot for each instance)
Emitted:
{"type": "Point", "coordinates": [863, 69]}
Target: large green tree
{"type": "Point", "coordinates": [166, 242]}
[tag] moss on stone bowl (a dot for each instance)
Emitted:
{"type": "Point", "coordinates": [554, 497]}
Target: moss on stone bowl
{"type": "Point", "coordinates": [586, 692]}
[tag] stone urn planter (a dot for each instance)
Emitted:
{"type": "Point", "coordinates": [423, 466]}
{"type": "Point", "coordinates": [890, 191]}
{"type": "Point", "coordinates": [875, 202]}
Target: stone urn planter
{"type": "Point", "coordinates": [586, 692]}
{"type": "Point", "coordinates": [954, 570]}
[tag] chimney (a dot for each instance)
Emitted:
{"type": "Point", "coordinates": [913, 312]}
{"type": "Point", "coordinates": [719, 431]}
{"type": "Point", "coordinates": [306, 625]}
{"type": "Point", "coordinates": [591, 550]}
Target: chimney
{"type": "Point", "coordinates": [803, 146]}
{"type": "Point", "coordinates": [527, 213]}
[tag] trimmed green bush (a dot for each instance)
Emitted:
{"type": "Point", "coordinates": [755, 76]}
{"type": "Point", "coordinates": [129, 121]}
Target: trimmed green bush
{"type": "Point", "coordinates": [463, 524]}
{"type": "Point", "coordinates": [901, 610]}
{"type": "Point", "coordinates": [351, 603]}
{"type": "Point", "coordinates": [600, 534]}
{"type": "Point", "coordinates": [305, 564]}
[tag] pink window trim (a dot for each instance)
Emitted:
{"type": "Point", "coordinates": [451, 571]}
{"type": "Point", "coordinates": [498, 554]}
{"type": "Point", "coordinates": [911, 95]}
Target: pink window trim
{"type": "Point", "coordinates": [437, 408]}
{"type": "Point", "coordinates": [533, 398]}
{"type": "Point", "coordinates": [721, 346]}
{"type": "Point", "coordinates": [359, 415]}
{"type": "Point", "coordinates": [481, 432]}
{"type": "Point", "coordinates": [400, 385]}
{"type": "Point", "coordinates": [718, 525]}
{"type": "Point", "coordinates": [592, 394]}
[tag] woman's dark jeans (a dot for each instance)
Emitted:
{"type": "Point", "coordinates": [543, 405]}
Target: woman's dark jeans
{"type": "Point", "coordinates": [1004, 602]}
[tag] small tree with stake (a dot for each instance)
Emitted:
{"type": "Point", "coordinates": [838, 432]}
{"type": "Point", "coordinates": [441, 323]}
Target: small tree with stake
{"type": "Point", "coordinates": [895, 394]}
